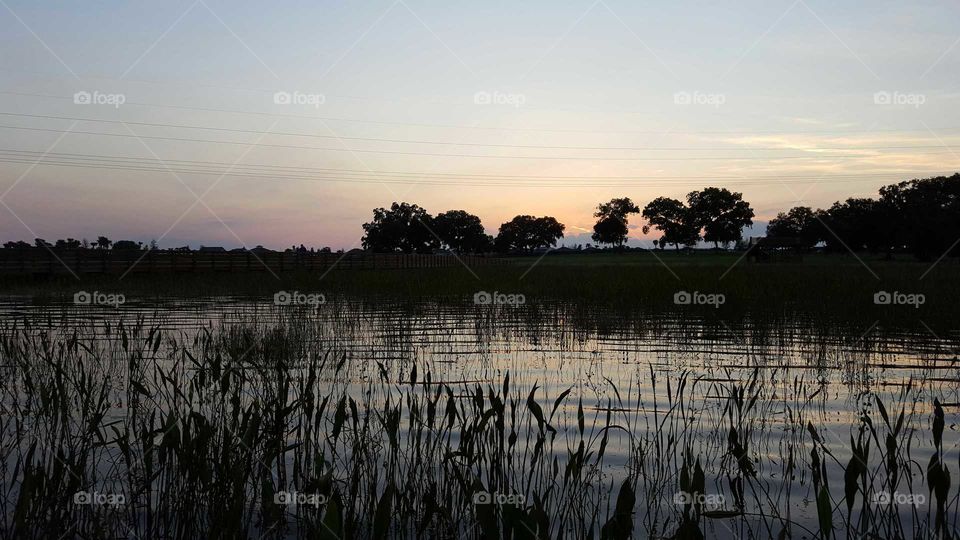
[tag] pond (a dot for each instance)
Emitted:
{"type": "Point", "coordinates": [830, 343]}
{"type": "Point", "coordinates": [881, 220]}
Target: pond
{"type": "Point", "coordinates": [369, 417]}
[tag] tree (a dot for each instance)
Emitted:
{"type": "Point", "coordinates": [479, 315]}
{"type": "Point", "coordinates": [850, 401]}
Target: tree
{"type": "Point", "coordinates": [800, 222]}
{"type": "Point", "coordinates": [126, 245]}
{"type": "Point", "coordinates": [525, 233]}
{"type": "Point", "coordinates": [462, 232]}
{"type": "Point", "coordinates": [922, 216]}
{"type": "Point", "coordinates": [19, 244]}
{"type": "Point", "coordinates": [69, 243]}
{"type": "Point", "coordinates": [40, 242]}
{"type": "Point", "coordinates": [404, 227]}
{"type": "Point", "coordinates": [102, 242]}
{"type": "Point", "coordinates": [721, 214]}
{"type": "Point", "coordinates": [854, 224]}
{"type": "Point", "coordinates": [672, 218]}
{"type": "Point", "coordinates": [611, 226]}
{"type": "Point", "coordinates": [610, 230]}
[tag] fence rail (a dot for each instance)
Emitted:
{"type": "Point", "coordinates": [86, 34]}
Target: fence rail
{"type": "Point", "coordinates": [94, 261]}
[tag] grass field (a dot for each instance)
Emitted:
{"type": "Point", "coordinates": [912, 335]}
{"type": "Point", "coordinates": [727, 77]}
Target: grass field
{"type": "Point", "coordinates": [825, 285]}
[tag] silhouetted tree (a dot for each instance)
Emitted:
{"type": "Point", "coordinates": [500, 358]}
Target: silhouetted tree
{"type": "Point", "coordinates": [610, 230]}
{"type": "Point", "coordinates": [40, 242]}
{"type": "Point", "coordinates": [19, 244]}
{"type": "Point", "coordinates": [69, 243]}
{"type": "Point", "coordinates": [102, 242]}
{"type": "Point", "coordinates": [526, 233]}
{"type": "Point", "coordinates": [462, 232]}
{"type": "Point", "coordinates": [855, 224]}
{"type": "Point", "coordinates": [126, 245]}
{"type": "Point", "coordinates": [721, 214]}
{"type": "Point", "coordinates": [800, 223]}
{"type": "Point", "coordinates": [922, 216]}
{"type": "Point", "coordinates": [672, 218]}
{"type": "Point", "coordinates": [611, 226]}
{"type": "Point", "coordinates": [404, 227]}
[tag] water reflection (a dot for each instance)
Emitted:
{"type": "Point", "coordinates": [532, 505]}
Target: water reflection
{"type": "Point", "coordinates": [723, 427]}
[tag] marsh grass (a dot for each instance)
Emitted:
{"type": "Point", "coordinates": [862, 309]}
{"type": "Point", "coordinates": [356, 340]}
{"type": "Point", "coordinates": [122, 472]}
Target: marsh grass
{"type": "Point", "coordinates": [830, 287]}
{"type": "Point", "coordinates": [201, 430]}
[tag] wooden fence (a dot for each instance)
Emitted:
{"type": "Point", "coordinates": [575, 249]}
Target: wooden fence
{"type": "Point", "coordinates": [95, 261]}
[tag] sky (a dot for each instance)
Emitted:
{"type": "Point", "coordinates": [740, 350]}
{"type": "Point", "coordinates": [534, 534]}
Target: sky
{"type": "Point", "coordinates": [215, 122]}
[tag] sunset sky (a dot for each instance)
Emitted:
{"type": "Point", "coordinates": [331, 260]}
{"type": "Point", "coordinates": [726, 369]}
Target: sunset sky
{"type": "Point", "coordinates": [498, 108]}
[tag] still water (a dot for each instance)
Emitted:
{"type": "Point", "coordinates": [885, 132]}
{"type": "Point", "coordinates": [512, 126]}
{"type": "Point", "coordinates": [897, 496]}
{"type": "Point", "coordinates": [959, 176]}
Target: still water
{"type": "Point", "coordinates": [749, 400]}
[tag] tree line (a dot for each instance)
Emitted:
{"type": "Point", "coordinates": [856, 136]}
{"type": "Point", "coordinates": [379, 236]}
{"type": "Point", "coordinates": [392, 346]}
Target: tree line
{"type": "Point", "coordinates": [713, 214]}
{"type": "Point", "coordinates": [102, 242]}
{"type": "Point", "coordinates": [921, 217]}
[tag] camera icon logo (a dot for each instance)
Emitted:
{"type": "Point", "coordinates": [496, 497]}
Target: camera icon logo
{"type": "Point", "coordinates": [282, 497]}
{"type": "Point", "coordinates": [882, 298]}
{"type": "Point", "coordinates": [82, 98]}
{"type": "Point", "coordinates": [682, 497]}
{"type": "Point", "coordinates": [682, 298]}
{"type": "Point", "coordinates": [882, 497]}
{"type": "Point", "coordinates": [83, 298]}
{"type": "Point", "coordinates": [882, 98]}
{"type": "Point", "coordinates": [682, 98]}
{"type": "Point", "coordinates": [483, 98]}
{"type": "Point", "coordinates": [282, 98]}
{"type": "Point", "coordinates": [81, 497]}
{"type": "Point", "coordinates": [482, 298]}
{"type": "Point", "coordinates": [482, 497]}
{"type": "Point", "coordinates": [282, 298]}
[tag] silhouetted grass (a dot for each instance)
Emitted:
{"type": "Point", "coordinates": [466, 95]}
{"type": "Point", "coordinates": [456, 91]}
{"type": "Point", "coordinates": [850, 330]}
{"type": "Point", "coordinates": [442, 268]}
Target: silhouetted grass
{"type": "Point", "coordinates": [825, 285]}
{"type": "Point", "coordinates": [201, 432]}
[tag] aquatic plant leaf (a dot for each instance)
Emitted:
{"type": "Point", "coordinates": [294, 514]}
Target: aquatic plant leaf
{"type": "Point", "coordinates": [824, 513]}
{"type": "Point", "coordinates": [721, 514]}
{"type": "Point", "coordinates": [331, 527]}
{"type": "Point", "coordinates": [559, 400]}
{"type": "Point", "coordinates": [620, 526]}
{"type": "Point", "coordinates": [938, 422]}
{"type": "Point", "coordinates": [381, 519]}
{"type": "Point", "coordinates": [339, 417]}
{"type": "Point", "coordinates": [850, 477]}
{"type": "Point", "coordinates": [580, 417]}
{"type": "Point", "coordinates": [883, 410]}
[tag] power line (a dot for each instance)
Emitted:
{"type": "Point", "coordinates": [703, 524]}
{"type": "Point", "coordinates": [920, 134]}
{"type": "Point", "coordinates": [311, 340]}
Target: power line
{"type": "Point", "coordinates": [162, 167]}
{"type": "Point", "coordinates": [451, 143]}
{"type": "Point", "coordinates": [502, 128]}
{"type": "Point", "coordinates": [270, 168]}
{"type": "Point", "coordinates": [433, 154]}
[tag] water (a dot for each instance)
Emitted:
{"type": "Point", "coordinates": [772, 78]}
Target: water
{"type": "Point", "coordinates": [630, 365]}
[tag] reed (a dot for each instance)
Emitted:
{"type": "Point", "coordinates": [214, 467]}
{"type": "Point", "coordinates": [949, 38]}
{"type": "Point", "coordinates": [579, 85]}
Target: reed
{"type": "Point", "coordinates": [212, 433]}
